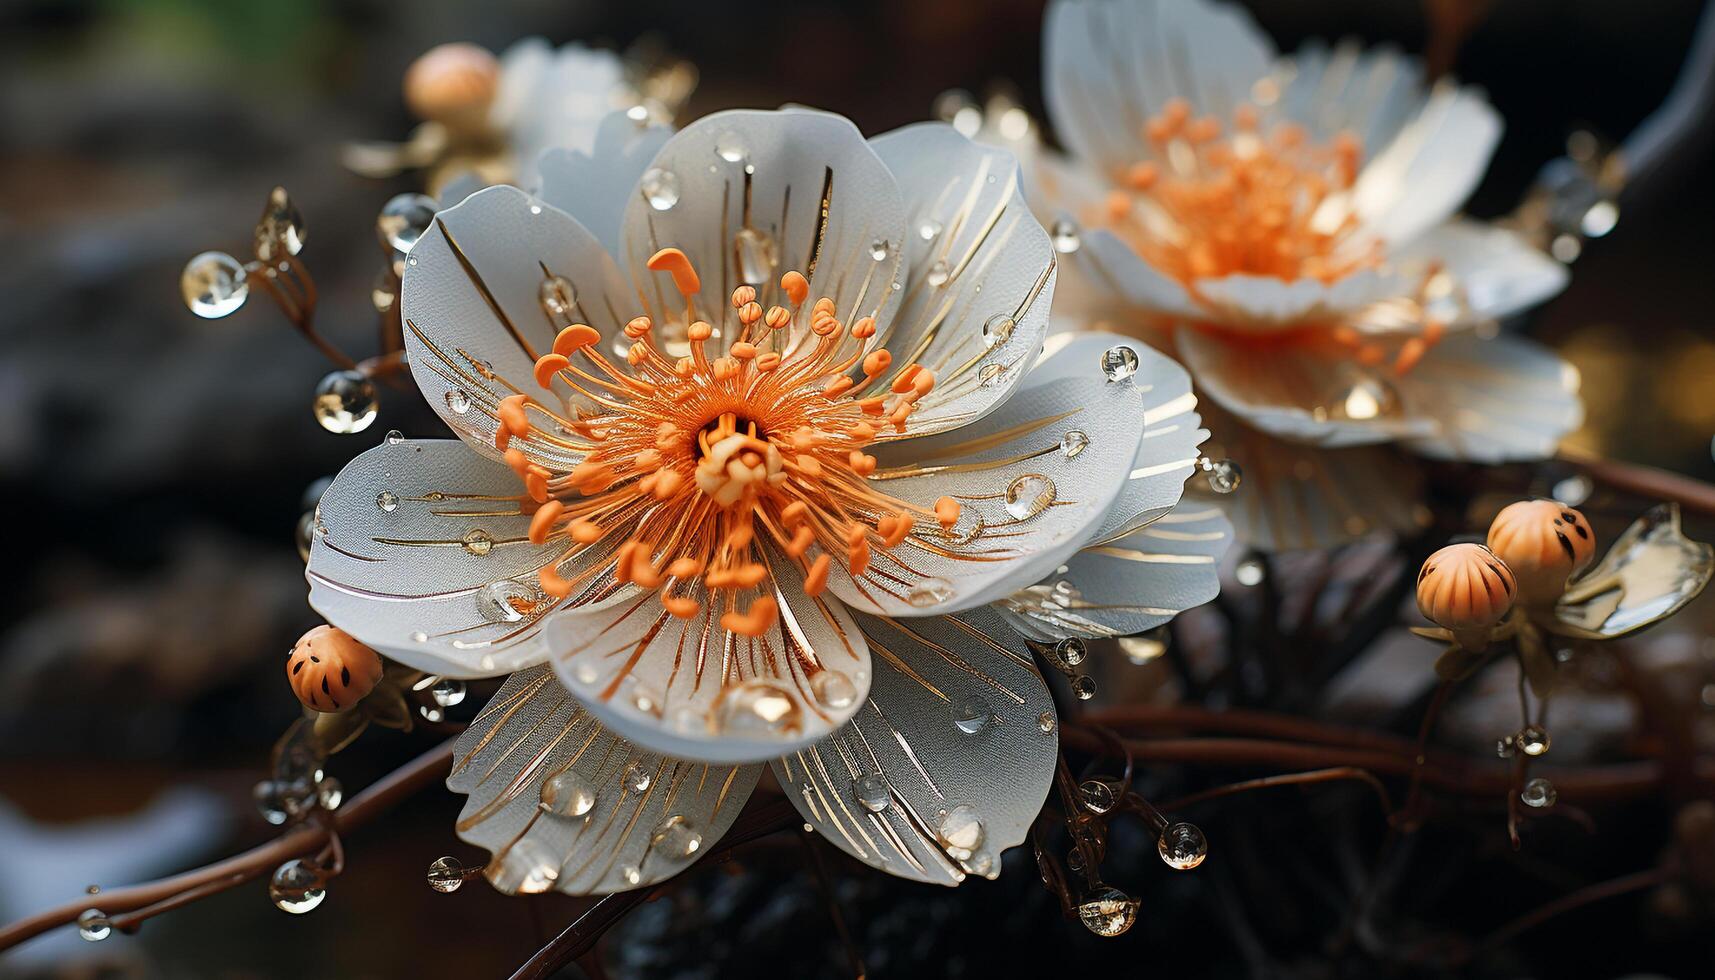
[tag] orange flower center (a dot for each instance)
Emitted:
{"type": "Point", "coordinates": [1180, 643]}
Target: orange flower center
{"type": "Point", "coordinates": [691, 465]}
{"type": "Point", "coordinates": [1262, 203]}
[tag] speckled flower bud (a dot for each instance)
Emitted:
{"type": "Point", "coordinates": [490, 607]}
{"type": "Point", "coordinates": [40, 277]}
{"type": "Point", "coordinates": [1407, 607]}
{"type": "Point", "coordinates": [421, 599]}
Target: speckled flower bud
{"type": "Point", "coordinates": [1544, 543]}
{"type": "Point", "coordinates": [452, 84]}
{"type": "Point", "coordinates": [330, 671]}
{"type": "Point", "coordinates": [1465, 588]}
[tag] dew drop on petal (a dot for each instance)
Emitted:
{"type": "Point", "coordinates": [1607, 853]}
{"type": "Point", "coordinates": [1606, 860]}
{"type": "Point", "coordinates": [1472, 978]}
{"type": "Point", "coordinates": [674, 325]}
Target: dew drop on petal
{"type": "Point", "coordinates": [871, 792]}
{"type": "Point", "coordinates": [214, 285]}
{"type": "Point", "coordinates": [1073, 442]}
{"type": "Point", "coordinates": [880, 249]}
{"type": "Point", "coordinates": [1029, 495]}
{"type": "Point", "coordinates": [636, 776]}
{"type": "Point", "coordinates": [833, 689]}
{"type": "Point", "coordinates": [1046, 723]}
{"type": "Point", "coordinates": [556, 296]}
{"type": "Point", "coordinates": [504, 601]}
{"type": "Point", "coordinates": [929, 592]}
{"type": "Point", "coordinates": [730, 147]}
{"type": "Point", "coordinates": [928, 228]}
{"type": "Point", "coordinates": [568, 794]}
{"type": "Point", "coordinates": [458, 401]}
{"type": "Point", "coordinates": [757, 707]}
{"type": "Point", "coordinates": [757, 255]}
{"type": "Point", "coordinates": [387, 500]}
{"type": "Point", "coordinates": [345, 402]}
{"type": "Point", "coordinates": [997, 330]}
{"type": "Point", "coordinates": [676, 837]}
{"type": "Point", "coordinates": [990, 375]}
{"type": "Point", "coordinates": [960, 831]}
{"type": "Point", "coordinates": [971, 714]}
{"type": "Point", "coordinates": [1119, 363]}
{"type": "Point", "coordinates": [938, 273]}
{"type": "Point", "coordinates": [660, 187]}
{"type": "Point", "coordinates": [477, 542]}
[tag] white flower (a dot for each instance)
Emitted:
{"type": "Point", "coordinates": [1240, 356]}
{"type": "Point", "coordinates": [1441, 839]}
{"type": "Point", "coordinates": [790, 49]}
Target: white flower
{"type": "Point", "coordinates": [762, 480]}
{"type": "Point", "coordinates": [1286, 228]}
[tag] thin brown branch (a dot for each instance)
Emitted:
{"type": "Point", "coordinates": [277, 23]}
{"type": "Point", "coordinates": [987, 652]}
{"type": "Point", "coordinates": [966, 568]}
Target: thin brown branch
{"type": "Point", "coordinates": [1335, 774]}
{"type": "Point", "coordinates": [303, 839]}
{"type": "Point", "coordinates": [1612, 888]}
{"type": "Point", "coordinates": [1646, 481]}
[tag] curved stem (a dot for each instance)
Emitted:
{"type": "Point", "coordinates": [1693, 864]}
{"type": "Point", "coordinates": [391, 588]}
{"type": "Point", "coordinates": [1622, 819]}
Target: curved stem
{"type": "Point", "coordinates": [153, 897]}
{"type": "Point", "coordinates": [1337, 773]}
{"type": "Point", "coordinates": [1612, 888]}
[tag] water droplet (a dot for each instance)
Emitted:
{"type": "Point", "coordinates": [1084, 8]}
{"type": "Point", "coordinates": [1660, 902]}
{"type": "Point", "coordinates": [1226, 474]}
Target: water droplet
{"type": "Point", "coordinates": [1046, 723]}
{"type": "Point", "coordinates": [1532, 740]}
{"type": "Point", "coordinates": [1599, 219]}
{"type": "Point", "coordinates": [636, 777]}
{"type": "Point", "coordinates": [1074, 442]}
{"type": "Point", "coordinates": [1182, 846]}
{"type": "Point", "coordinates": [929, 592]}
{"type": "Point", "coordinates": [384, 291]}
{"type": "Point", "coordinates": [638, 114]}
{"type": "Point", "coordinates": [280, 230]}
{"type": "Point", "coordinates": [1250, 572]}
{"type": "Point", "coordinates": [872, 792]}
{"type": "Point", "coordinates": [1065, 237]}
{"type": "Point", "coordinates": [971, 714]}
{"type": "Point", "coordinates": [631, 874]}
{"type": "Point", "coordinates": [93, 926]}
{"type": "Point", "coordinates": [419, 637]}
{"type": "Point", "coordinates": [345, 402]}
{"type": "Point", "coordinates": [1573, 490]}
{"type": "Point", "coordinates": [1144, 649]}
{"type": "Point", "coordinates": [880, 249]}
{"type": "Point", "coordinates": [1108, 912]}
{"type": "Point", "coordinates": [661, 188]}
{"type": "Point", "coordinates": [960, 831]}
{"type": "Point", "coordinates": [567, 794]}
{"type": "Point", "coordinates": [1538, 793]}
{"type": "Point", "coordinates": [1224, 474]}
{"type": "Point", "coordinates": [447, 692]}
{"type": "Point", "coordinates": [431, 713]}
{"type": "Point", "coordinates": [458, 401]}
{"type": "Point", "coordinates": [1084, 687]}
{"type": "Point", "coordinates": [676, 837]}
{"type": "Point", "coordinates": [446, 874]}
{"type": "Point", "coordinates": [1505, 747]}
{"type": "Point", "coordinates": [214, 285]}
{"type": "Point", "coordinates": [1029, 495]}
{"type": "Point", "coordinates": [557, 296]}
{"type": "Point", "coordinates": [281, 800]}
{"type": "Point", "coordinates": [833, 689]}
{"type": "Point", "coordinates": [387, 500]}
{"type": "Point", "coordinates": [329, 793]}
{"type": "Point", "coordinates": [757, 707]}
{"type": "Point", "coordinates": [928, 228]}
{"type": "Point", "coordinates": [505, 601]}
{"type": "Point", "coordinates": [730, 147]}
{"type": "Point", "coordinates": [967, 528]}
{"type": "Point", "coordinates": [478, 542]}
{"type": "Point", "coordinates": [997, 330]}
{"type": "Point", "coordinates": [403, 220]}
{"type": "Point", "coordinates": [305, 533]}
{"type": "Point", "coordinates": [586, 672]}
{"type": "Point", "coordinates": [939, 273]}
{"type": "Point", "coordinates": [296, 888]}
{"type": "Point", "coordinates": [757, 255]}
{"type": "Point", "coordinates": [1097, 795]}
{"type": "Point", "coordinates": [990, 375]}
{"type": "Point", "coordinates": [1071, 652]}
{"type": "Point", "coordinates": [1119, 363]}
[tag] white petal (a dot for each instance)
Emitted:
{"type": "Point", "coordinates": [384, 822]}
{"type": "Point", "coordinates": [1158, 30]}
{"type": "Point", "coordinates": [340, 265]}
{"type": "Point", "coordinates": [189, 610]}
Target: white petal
{"type": "Point", "coordinates": [1429, 168]}
{"type": "Point", "coordinates": [900, 785]}
{"type": "Point", "coordinates": [626, 818]}
{"type": "Point", "coordinates": [1265, 304]}
{"type": "Point", "coordinates": [1493, 400]}
{"type": "Point", "coordinates": [1130, 584]}
{"type": "Point", "coordinates": [1112, 269]}
{"type": "Point", "coordinates": [553, 99]}
{"type": "Point", "coordinates": [749, 196]}
{"type": "Point", "coordinates": [1110, 66]}
{"type": "Point", "coordinates": [685, 687]}
{"type": "Point", "coordinates": [1167, 450]}
{"type": "Point", "coordinates": [978, 285]}
{"type": "Point", "coordinates": [1500, 272]}
{"type": "Point", "coordinates": [1369, 93]}
{"type": "Point", "coordinates": [594, 185]}
{"type": "Point", "coordinates": [1295, 496]}
{"type": "Point", "coordinates": [474, 320]}
{"type": "Point", "coordinates": [1018, 450]}
{"type": "Point", "coordinates": [425, 559]}
{"type": "Point", "coordinates": [1328, 400]}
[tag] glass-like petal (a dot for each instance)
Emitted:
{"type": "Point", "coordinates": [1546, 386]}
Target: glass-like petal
{"type": "Point", "coordinates": [1498, 271]}
{"type": "Point", "coordinates": [562, 803]}
{"type": "Point", "coordinates": [980, 274]}
{"type": "Point", "coordinates": [1370, 93]}
{"type": "Point", "coordinates": [1266, 304]}
{"type": "Point", "coordinates": [1035, 480]}
{"type": "Point", "coordinates": [690, 688]}
{"type": "Point", "coordinates": [595, 184]}
{"type": "Point", "coordinates": [1493, 400]}
{"type": "Point", "coordinates": [1295, 496]}
{"type": "Point", "coordinates": [749, 196]}
{"type": "Point", "coordinates": [476, 320]}
{"type": "Point", "coordinates": [1432, 165]}
{"type": "Point", "coordinates": [1172, 430]}
{"type": "Point", "coordinates": [555, 98]}
{"type": "Point", "coordinates": [1108, 67]}
{"type": "Point", "coordinates": [1130, 585]}
{"type": "Point", "coordinates": [1649, 574]}
{"type": "Point", "coordinates": [948, 763]}
{"type": "Point", "coordinates": [424, 557]}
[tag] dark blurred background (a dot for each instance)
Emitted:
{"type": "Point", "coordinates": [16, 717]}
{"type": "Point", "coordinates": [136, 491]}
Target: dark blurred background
{"type": "Point", "coordinates": [152, 464]}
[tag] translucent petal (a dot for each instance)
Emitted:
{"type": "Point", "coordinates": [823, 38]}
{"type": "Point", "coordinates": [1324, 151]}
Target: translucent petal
{"type": "Point", "coordinates": [595, 184]}
{"type": "Point", "coordinates": [1654, 570]}
{"type": "Point", "coordinates": [1493, 400]}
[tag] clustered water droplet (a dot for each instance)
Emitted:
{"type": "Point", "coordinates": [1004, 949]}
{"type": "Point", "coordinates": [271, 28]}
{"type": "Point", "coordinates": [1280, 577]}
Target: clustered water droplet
{"type": "Point", "coordinates": [446, 874]}
{"type": "Point", "coordinates": [971, 714]}
{"type": "Point", "coordinates": [1538, 793]}
{"type": "Point", "coordinates": [960, 831]}
{"type": "Point", "coordinates": [1108, 912]}
{"type": "Point", "coordinates": [636, 776]}
{"type": "Point", "coordinates": [676, 837]}
{"type": "Point", "coordinates": [214, 285]}
{"type": "Point", "coordinates": [345, 402]}
{"type": "Point", "coordinates": [403, 220]}
{"type": "Point", "coordinates": [296, 887]}
{"type": "Point", "coordinates": [930, 592]}
{"type": "Point", "coordinates": [569, 794]}
{"type": "Point", "coordinates": [871, 792]}
{"type": "Point", "coordinates": [1224, 474]}
{"type": "Point", "coordinates": [1097, 795]}
{"type": "Point", "coordinates": [660, 188]}
{"type": "Point", "coordinates": [280, 230]}
{"type": "Point", "coordinates": [1119, 363]}
{"type": "Point", "coordinates": [1065, 237]}
{"type": "Point", "coordinates": [94, 926]}
{"type": "Point", "coordinates": [1182, 846]}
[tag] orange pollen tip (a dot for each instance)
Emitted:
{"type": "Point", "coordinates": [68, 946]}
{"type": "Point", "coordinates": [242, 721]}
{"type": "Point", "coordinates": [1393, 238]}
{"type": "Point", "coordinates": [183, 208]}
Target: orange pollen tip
{"type": "Point", "coordinates": [897, 533]}
{"type": "Point", "coordinates": [536, 485]}
{"type": "Point", "coordinates": [515, 459]}
{"type": "Point", "coordinates": [549, 365]}
{"type": "Point", "coordinates": [578, 336]}
{"type": "Point", "coordinates": [749, 313]}
{"type": "Point", "coordinates": [876, 362]}
{"type": "Point", "coordinates": [874, 405]}
{"type": "Point", "coordinates": [681, 606]}
{"type": "Point", "coordinates": [837, 386]}
{"type": "Point", "coordinates": [768, 361]}
{"type": "Point", "coordinates": [862, 463]}
{"type": "Point", "coordinates": [864, 328]}
{"type": "Point", "coordinates": [794, 513]}
{"type": "Point", "coordinates": [544, 520]}
{"type": "Point", "coordinates": [637, 326]}
{"type": "Point", "coordinates": [801, 541]}
{"type": "Point", "coordinates": [553, 583]}
{"type": "Point", "coordinates": [824, 306]}
{"type": "Point", "coordinates": [796, 286]}
{"type": "Point", "coordinates": [699, 331]}
{"type": "Point", "coordinates": [762, 614]}
{"type": "Point", "coordinates": [584, 531]}
{"type": "Point", "coordinates": [685, 568]}
{"type": "Point", "coordinates": [675, 263]}
{"type": "Point", "coordinates": [502, 438]}
{"type": "Point", "coordinates": [902, 381]}
{"type": "Point", "coordinates": [857, 559]}
{"type": "Point", "coordinates": [816, 579]}
{"type": "Point", "coordinates": [777, 317]}
{"type": "Point", "coordinates": [743, 295]}
{"type": "Point", "coordinates": [511, 414]}
{"type": "Point", "coordinates": [947, 511]}
{"type": "Point", "coordinates": [855, 535]}
{"type": "Point", "coordinates": [744, 351]}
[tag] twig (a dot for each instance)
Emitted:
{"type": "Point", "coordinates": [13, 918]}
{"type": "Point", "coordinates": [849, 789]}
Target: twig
{"type": "Point", "coordinates": [1335, 774]}
{"type": "Point", "coordinates": [1646, 481]}
{"type": "Point", "coordinates": [153, 897]}
{"type": "Point", "coordinates": [1612, 888]}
